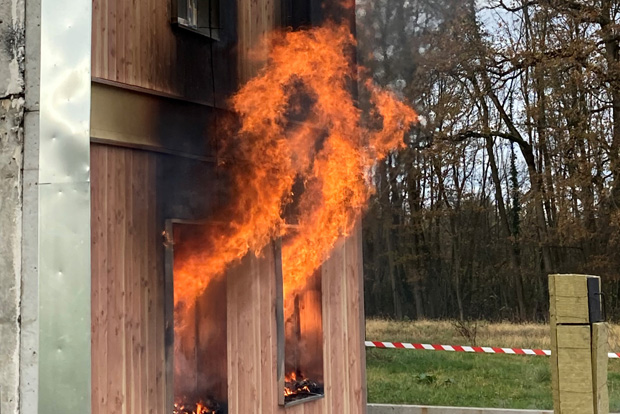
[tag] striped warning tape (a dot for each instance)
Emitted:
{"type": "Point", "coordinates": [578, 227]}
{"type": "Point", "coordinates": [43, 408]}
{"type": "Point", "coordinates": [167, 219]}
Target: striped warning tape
{"type": "Point", "coordinates": [459, 348]}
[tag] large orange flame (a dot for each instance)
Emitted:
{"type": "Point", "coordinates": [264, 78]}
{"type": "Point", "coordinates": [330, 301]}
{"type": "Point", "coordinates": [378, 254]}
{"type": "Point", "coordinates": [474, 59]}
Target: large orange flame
{"type": "Point", "coordinates": [308, 78]}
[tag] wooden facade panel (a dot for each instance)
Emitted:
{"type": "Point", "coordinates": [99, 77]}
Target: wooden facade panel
{"type": "Point", "coordinates": [255, 20]}
{"type": "Point", "coordinates": [156, 303]}
{"type": "Point", "coordinates": [127, 306]}
{"type": "Point", "coordinates": [134, 43]}
{"type": "Point", "coordinates": [99, 304]}
{"type": "Point", "coordinates": [334, 331]}
{"type": "Point", "coordinates": [233, 284]}
{"type": "Point", "coordinates": [115, 275]}
{"type": "Point", "coordinates": [252, 335]}
{"type": "Point", "coordinates": [356, 362]}
{"type": "Point", "coordinates": [249, 365]}
{"type": "Point", "coordinates": [267, 338]}
{"type": "Point", "coordinates": [128, 207]}
{"type": "Point", "coordinates": [249, 370]}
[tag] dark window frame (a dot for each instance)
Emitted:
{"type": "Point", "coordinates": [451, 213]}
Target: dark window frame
{"type": "Point", "coordinates": [297, 14]}
{"type": "Point", "coordinates": [198, 16]}
{"type": "Point", "coordinates": [281, 317]}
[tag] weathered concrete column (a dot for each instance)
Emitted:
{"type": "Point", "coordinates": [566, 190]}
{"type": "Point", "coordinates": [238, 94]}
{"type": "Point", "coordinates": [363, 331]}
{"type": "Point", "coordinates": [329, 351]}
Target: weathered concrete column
{"type": "Point", "coordinates": [39, 156]}
{"type": "Point", "coordinates": [578, 345]}
{"type": "Point", "coordinates": [12, 97]}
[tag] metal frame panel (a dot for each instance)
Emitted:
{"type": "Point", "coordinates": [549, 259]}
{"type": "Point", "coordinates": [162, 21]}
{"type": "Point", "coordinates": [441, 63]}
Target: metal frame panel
{"type": "Point", "coordinates": [64, 208]}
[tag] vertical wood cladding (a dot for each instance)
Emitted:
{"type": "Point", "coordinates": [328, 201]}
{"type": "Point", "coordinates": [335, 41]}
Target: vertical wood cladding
{"type": "Point", "coordinates": [255, 20]}
{"type": "Point", "coordinates": [132, 191]}
{"type": "Point", "coordinates": [128, 305]}
{"type": "Point", "coordinates": [127, 289]}
{"type": "Point", "coordinates": [252, 386]}
{"type": "Point", "coordinates": [134, 43]}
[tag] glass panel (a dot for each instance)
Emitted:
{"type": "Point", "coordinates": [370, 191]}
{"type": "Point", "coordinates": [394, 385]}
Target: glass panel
{"type": "Point", "coordinates": [181, 10]}
{"type": "Point", "coordinates": [192, 13]}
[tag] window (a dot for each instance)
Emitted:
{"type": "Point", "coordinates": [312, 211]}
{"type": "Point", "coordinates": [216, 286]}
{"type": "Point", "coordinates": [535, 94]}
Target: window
{"type": "Point", "coordinates": [196, 323]}
{"type": "Point", "coordinates": [301, 13]}
{"type": "Point", "coordinates": [199, 16]}
{"type": "Point", "coordinates": [300, 335]}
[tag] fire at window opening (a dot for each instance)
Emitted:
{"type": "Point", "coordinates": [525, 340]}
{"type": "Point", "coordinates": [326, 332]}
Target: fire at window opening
{"type": "Point", "coordinates": [200, 379]}
{"type": "Point", "coordinates": [271, 152]}
{"type": "Point", "coordinates": [303, 350]}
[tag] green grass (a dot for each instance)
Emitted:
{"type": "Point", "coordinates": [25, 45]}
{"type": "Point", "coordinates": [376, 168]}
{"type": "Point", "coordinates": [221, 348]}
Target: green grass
{"type": "Point", "coordinates": [468, 380]}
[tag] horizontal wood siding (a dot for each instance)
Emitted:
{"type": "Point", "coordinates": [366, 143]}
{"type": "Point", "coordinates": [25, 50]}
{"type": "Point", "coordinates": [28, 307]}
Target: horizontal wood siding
{"type": "Point", "coordinates": [127, 290]}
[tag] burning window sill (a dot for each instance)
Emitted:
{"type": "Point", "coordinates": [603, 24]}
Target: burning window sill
{"type": "Point", "coordinates": [298, 390]}
{"type": "Point", "coordinates": [198, 408]}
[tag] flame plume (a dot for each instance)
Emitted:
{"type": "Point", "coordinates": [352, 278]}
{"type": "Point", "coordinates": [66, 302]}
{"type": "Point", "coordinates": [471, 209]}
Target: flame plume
{"type": "Point", "coordinates": [308, 78]}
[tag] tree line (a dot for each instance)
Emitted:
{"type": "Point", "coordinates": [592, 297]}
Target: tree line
{"type": "Point", "coordinates": [514, 172]}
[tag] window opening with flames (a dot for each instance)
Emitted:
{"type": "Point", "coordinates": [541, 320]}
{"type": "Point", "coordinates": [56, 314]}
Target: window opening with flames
{"type": "Point", "coordinates": [303, 343]}
{"type": "Point", "coordinates": [197, 353]}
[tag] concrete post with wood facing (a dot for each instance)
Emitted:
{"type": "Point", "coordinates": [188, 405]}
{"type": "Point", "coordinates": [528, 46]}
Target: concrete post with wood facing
{"type": "Point", "coordinates": [578, 345]}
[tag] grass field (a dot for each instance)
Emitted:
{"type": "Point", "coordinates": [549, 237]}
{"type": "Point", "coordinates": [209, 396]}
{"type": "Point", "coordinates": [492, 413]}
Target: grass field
{"type": "Point", "coordinates": [469, 380]}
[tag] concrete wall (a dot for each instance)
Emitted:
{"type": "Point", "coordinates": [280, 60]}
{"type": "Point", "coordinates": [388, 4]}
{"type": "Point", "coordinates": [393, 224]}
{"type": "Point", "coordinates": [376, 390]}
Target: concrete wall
{"type": "Point", "coordinates": [12, 108]}
{"type": "Point", "coordinates": [29, 339]}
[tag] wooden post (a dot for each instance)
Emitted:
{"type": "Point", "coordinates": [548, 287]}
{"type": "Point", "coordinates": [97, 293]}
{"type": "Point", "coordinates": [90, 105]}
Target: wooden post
{"type": "Point", "coordinates": [578, 345]}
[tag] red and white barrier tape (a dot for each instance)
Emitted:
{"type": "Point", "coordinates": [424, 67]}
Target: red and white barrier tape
{"type": "Point", "coordinates": [475, 349]}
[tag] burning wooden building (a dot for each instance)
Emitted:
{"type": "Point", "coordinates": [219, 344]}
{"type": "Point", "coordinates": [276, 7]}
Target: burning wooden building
{"type": "Point", "coordinates": [162, 77]}
{"type": "Point", "coordinates": [197, 171]}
